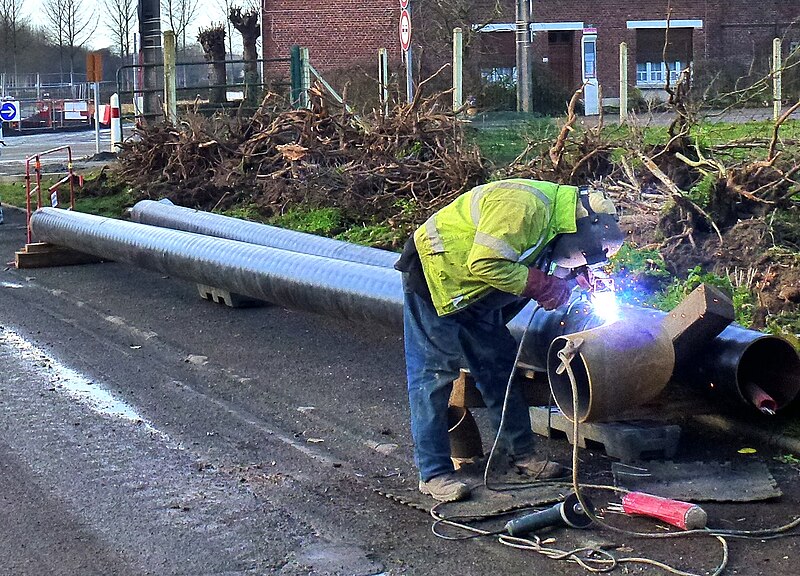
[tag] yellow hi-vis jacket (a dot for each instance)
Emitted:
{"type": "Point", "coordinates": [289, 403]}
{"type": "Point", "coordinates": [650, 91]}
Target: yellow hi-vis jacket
{"type": "Point", "coordinates": [487, 237]}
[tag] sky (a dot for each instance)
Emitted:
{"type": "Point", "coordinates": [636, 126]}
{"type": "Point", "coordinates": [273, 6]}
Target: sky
{"type": "Point", "coordinates": [208, 11]}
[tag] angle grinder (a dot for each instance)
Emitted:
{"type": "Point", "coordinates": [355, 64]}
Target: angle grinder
{"type": "Point", "coordinates": [570, 513]}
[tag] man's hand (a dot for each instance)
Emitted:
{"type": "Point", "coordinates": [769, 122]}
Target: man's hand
{"type": "Point", "coordinates": [549, 291]}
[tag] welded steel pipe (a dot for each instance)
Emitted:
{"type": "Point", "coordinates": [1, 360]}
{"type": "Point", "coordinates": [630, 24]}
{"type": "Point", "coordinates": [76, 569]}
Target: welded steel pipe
{"type": "Point", "coordinates": [334, 287]}
{"type": "Point", "coordinates": [739, 362]}
{"type": "Point", "coordinates": [168, 215]}
{"type": "Point", "coordinates": [374, 293]}
{"type": "Point", "coordinates": [615, 366]}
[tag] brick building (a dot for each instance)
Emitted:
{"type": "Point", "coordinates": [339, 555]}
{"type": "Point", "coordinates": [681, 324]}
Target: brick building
{"type": "Point", "coordinates": [339, 33]}
{"type": "Point", "coordinates": [733, 33]}
{"type": "Point", "coordinates": [570, 37]}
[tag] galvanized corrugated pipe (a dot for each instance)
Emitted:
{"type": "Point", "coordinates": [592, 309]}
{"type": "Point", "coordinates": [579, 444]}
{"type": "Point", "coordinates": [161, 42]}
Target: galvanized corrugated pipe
{"type": "Point", "coordinates": [334, 287]}
{"type": "Point", "coordinates": [168, 215]}
{"type": "Point", "coordinates": [735, 359]}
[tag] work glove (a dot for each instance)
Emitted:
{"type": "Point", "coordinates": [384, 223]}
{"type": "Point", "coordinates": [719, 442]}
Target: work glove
{"type": "Point", "coordinates": [549, 291]}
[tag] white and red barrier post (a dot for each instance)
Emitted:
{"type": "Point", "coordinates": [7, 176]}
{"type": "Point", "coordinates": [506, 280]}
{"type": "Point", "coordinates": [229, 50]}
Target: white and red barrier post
{"type": "Point", "coordinates": [116, 124]}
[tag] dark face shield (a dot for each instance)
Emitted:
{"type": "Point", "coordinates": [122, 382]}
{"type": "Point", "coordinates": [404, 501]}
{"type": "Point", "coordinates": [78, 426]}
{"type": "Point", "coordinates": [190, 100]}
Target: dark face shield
{"type": "Point", "coordinates": [597, 238]}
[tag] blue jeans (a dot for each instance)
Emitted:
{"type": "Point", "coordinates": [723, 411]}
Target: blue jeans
{"type": "Point", "coordinates": [436, 349]}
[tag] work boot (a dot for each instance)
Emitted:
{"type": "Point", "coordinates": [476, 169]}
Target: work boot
{"type": "Point", "coordinates": [542, 469]}
{"type": "Point", "coordinates": [445, 488]}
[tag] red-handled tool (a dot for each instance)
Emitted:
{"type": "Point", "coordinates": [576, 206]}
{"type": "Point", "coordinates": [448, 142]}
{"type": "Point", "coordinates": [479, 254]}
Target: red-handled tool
{"type": "Point", "coordinates": [682, 515]}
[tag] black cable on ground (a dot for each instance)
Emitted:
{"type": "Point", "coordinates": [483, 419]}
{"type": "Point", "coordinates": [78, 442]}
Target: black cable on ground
{"type": "Point", "coordinates": [602, 560]}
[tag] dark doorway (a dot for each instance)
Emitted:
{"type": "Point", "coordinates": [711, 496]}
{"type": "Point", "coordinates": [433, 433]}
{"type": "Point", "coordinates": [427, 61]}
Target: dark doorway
{"type": "Point", "coordinates": [561, 58]}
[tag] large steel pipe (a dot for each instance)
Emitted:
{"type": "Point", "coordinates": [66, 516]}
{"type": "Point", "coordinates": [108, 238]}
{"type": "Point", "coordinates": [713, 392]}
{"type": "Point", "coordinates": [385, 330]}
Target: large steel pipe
{"type": "Point", "coordinates": [735, 359]}
{"type": "Point", "coordinates": [741, 365]}
{"type": "Point", "coordinates": [322, 285]}
{"type": "Point", "coordinates": [168, 215]}
{"type": "Point", "coordinates": [609, 368]}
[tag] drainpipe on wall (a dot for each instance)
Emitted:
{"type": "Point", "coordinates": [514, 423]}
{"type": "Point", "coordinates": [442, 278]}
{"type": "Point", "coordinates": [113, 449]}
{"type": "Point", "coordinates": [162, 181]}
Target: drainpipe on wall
{"type": "Point", "coordinates": [524, 71]}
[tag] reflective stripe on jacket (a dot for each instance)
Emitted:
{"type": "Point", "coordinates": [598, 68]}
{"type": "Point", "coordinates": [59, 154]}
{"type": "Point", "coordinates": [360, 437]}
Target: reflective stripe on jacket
{"type": "Point", "coordinates": [487, 238]}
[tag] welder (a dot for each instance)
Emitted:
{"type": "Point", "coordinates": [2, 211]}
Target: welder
{"type": "Point", "coordinates": [467, 271]}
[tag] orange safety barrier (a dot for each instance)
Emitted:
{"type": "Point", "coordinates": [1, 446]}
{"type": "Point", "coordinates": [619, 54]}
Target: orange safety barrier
{"type": "Point", "coordinates": [70, 179]}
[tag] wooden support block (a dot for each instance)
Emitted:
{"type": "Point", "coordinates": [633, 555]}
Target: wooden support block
{"type": "Point", "coordinates": [230, 299]}
{"type": "Point", "coordinates": [697, 320]}
{"type": "Point", "coordinates": [534, 387]}
{"type": "Point", "coordinates": [43, 255]}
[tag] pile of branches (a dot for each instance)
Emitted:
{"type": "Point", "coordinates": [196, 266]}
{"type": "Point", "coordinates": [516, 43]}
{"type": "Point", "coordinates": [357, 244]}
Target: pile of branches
{"type": "Point", "coordinates": [646, 178]}
{"type": "Point", "coordinates": [373, 167]}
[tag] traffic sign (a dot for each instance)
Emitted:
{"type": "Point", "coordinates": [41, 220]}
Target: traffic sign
{"type": "Point", "coordinates": [9, 111]}
{"type": "Point", "coordinates": [405, 30]}
{"type": "Point", "coordinates": [404, 4]}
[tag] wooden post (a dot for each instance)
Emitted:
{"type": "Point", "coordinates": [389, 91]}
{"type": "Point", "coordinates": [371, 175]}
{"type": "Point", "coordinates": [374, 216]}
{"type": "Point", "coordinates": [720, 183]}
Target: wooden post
{"type": "Point", "coordinates": [623, 83]}
{"type": "Point", "coordinates": [383, 79]}
{"type": "Point", "coordinates": [777, 78]}
{"type": "Point", "coordinates": [458, 68]}
{"type": "Point", "coordinates": [305, 61]}
{"type": "Point", "coordinates": [170, 77]}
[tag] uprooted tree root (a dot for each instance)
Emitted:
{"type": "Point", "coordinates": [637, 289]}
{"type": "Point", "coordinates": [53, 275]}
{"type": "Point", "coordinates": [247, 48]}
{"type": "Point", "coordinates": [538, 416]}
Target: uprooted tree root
{"type": "Point", "coordinates": [322, 155]}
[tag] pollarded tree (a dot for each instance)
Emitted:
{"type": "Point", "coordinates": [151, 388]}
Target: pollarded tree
{"type": "Point", "coordinates": [212, 39]}
{"type": "Point", "coordinates": [248, 23]}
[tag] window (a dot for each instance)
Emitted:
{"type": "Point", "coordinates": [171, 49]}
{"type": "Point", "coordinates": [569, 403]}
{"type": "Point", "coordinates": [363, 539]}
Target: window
{"type": "Point", "coordinates": [656, 72]}
{"type": "Point", "coordinates": [499, 75]}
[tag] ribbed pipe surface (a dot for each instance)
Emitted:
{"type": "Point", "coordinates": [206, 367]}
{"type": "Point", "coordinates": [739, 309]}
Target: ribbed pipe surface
{"type": "Point", "coordinates": [334, 287]}
{"type": "Point", "coordinates": [361, 292]}
{"type": "Point", "coordinates": [168, 215]}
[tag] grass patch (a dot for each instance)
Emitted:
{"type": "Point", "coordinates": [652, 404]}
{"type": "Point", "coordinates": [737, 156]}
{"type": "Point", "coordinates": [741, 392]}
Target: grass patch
{"type": "Point", "coordinates": [322, 221]}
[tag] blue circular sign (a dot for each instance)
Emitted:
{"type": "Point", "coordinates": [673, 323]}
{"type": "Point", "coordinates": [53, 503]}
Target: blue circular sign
{"type": "Point", "coordinates": [8, 111]}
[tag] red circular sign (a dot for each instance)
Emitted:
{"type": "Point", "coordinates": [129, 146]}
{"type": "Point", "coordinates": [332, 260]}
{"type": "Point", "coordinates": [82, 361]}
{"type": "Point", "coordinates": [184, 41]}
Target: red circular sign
{"type": "Point", "coordinates": [405, 29]}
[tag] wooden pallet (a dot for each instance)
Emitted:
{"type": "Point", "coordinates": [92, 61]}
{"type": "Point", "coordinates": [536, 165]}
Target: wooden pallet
{"type": "Point", "coordinates": [44, 255]}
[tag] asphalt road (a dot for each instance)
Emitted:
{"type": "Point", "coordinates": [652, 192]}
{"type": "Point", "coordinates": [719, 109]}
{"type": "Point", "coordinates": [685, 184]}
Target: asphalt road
{"type": "Point", "coordinates": [18, 148]}
{"type": "Point", "coordinates": [144, 430]}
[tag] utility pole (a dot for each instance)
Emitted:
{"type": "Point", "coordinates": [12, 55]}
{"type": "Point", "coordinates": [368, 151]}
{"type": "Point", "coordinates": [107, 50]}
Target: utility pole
{"type": "Point", "coordinates": [524, 70]}
{"type": "Point", "coordinates": [150, 34]}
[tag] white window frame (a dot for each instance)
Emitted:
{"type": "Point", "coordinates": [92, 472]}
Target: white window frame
{"type": "Point", "coordinates": [662, 24]}
{"type": "Point", "coordinates": [655, 73]}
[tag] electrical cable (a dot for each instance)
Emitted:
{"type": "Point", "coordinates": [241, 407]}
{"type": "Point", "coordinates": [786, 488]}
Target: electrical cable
{"type": "Point", "coordinates": [606, 561]}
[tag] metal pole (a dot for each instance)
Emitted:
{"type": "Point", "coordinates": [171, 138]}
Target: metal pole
{"type": "Point", "coordinates": [295, 68]}
{"type": "Point", "coordinates": [409, 59]}
{"type": "Point", "coordinates": [409, 75]}
{"type": "Point", "coordinates": [383, 79]}
{"type": "Point", "coordinates": [777, 78]}
{"type": "Point", "coordinates": [150, 34]}
{"type": "Point", "coordinates": [170, 82]}
{"type": "Point", "coordinates": [523, 40]}
{"type": "Point", "coordinates": [458, 68]}
{"type": "Point", "coordinates": [623, 83]}
{"type": "Point", "coordinates": [96, 86]}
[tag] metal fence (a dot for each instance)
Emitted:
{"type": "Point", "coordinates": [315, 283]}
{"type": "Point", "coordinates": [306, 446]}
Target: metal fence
{"type": "Point", "coordinates": [192, 85]}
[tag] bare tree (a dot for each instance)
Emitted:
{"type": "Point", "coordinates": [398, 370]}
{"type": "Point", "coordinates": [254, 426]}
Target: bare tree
{"type": "Point", "coordinates": [121, 16]}
{"type": "Point", "coordinates": [225, 6]}
{"type": "Point", "coordinates": [212, 39]}
{"type": "Point", "coordinates": [70, 26]}
{"type": "Point", "coordinates": [179, 14]}
{"type": "Point", "coordinates": [248, 23]}
{"type": "Point", "coordinates": [11, 21]}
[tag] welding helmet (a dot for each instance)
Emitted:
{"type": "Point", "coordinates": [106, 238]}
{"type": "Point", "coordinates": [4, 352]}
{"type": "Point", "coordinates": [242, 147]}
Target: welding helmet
{"type": "Point", "coordinates": [597, 236]}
